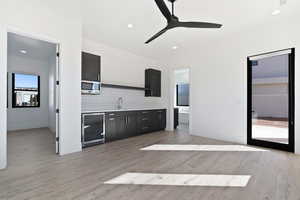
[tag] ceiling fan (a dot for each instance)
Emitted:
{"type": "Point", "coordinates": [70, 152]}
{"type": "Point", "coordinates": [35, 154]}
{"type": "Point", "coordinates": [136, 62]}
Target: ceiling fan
{"type": "Point", "coordinates": [173, 21]}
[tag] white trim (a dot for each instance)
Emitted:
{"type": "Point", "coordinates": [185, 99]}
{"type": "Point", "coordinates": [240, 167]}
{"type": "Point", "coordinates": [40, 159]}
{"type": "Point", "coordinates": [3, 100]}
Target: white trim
{"type": "Point", "coordinates": [32, 35]}
{"type": "Point", "coordinates": [172, 94]}
{"type": "Point", "coordinates": [5, 31]}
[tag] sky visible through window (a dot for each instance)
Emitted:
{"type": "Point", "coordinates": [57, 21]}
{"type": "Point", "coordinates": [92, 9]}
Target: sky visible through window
{"type": "Point", "coordinates": [26, 81]}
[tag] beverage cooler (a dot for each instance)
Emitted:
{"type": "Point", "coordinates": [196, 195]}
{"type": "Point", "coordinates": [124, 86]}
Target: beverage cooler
{"type": "Point", "coordinates": [93, 129]}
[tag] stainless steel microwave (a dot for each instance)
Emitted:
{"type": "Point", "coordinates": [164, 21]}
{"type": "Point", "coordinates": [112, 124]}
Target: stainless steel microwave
{"type": "Point", "coordinates": [90, 87]}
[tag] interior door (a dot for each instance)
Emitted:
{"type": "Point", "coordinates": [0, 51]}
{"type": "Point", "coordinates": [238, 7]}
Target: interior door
{"type": "Point", "coordinates": [271, 97]}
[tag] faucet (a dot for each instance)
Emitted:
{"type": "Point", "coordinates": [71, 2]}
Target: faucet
{"type": "Point", "coordinates": [120, 103]}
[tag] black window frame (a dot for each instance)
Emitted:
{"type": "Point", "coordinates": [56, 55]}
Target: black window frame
{"type": "Point", "coordinates": [177, 96]}
{"type": "Point", "coordinates": [14, 96]}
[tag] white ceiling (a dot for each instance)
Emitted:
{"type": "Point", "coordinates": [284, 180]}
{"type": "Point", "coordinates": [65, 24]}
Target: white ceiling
{"type": "Point", "coordinates": [106, 21]}
{"type": "Point", "coordinates": [36, 49]}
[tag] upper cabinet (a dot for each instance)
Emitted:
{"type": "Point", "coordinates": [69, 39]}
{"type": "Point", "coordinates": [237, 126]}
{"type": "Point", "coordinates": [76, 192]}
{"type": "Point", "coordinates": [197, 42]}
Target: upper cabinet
{"type": "Point", "coordinates": [91, 67]}
{"type": "Point", "coordinates": [153, 83]}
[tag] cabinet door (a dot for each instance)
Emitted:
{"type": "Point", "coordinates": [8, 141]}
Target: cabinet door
{"type": "Point", "coordinates": [91, 67]}
{"type": "Point", "coordinates": [159, 120]}
{"type": "Point", "coordinates": [156, 83]}
{"type": "Point", "coordinates": [111, 129]}
{"type": "Point", "coordinates": [121, 127]}
{"type": "Point", "coordinates": [163, 122]}
{"type": "Point", "coordinates": [131, 124]}
{"type": "Point", "coordinates": [176, 117]}
{"type": "Point", "coordinates": [157, 117]}
{"type": "Point", "coordinates": [153, 83]}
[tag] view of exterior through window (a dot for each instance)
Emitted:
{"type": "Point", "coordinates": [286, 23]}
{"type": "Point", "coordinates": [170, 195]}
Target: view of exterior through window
{"type": "Point", "coordinates": [270, 97]}
{"type": "Point", "coordinates": [182, 94]}
{"type": "Point", "coordinates": [26, 90]}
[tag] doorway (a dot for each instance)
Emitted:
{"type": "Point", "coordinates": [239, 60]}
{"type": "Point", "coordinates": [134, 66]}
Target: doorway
{"type": "Point", "coordinates": [271, 95]}
{"type": "Point", "coordinates": [182, 99]}
{"type": "Point", "coordinates": [32, 98]}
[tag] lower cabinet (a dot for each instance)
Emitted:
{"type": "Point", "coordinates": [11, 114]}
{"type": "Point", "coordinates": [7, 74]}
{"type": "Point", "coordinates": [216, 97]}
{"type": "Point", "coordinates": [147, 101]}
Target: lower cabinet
{"type": "Point", "coordinates": [120, 125]}
{"type": "Point", "coordinates": [113, 126]}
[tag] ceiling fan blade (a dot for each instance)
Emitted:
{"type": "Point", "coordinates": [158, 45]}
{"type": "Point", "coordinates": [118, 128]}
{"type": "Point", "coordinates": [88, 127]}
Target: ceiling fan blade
{"type": "Point", "coordinates": [164, 9]}
{"type": "Point", "coordinates": [198, 25]}
{"type": "Point", "coordinates": [156, 35]}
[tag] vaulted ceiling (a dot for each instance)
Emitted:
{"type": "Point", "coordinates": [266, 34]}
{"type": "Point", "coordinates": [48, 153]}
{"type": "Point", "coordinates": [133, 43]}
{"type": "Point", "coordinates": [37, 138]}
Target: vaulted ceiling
{"type": "Point", "coordinates": [106, 21]}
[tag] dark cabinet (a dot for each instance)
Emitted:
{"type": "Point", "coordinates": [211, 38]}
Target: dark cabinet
{"type": "Point", "coordinates": [152, 83]}
{"type": "Point", "coordinates": [176, 117]}
{"type": "Point", "coordinates": [114, 125]}
{"type": "Point", "coordinates": [159, 120]}
{"type": "Point", "coordinates": [144, 122]}
{"type": "Point", "coordinates": [120, 125]}
{"type": "Point", "coordinates": [90, 67]}
{"type": "Point", "coordinates": [110, 129]}
{"type": "Point", "coordinates": [130, 124]}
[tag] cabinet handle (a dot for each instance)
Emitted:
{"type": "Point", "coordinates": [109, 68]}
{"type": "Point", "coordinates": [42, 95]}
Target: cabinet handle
{"type": "Point", "coordinates": [144, 112]}
{"type": "Point", "coordinates": [112, 114]}
{"type": "Point", "coordinates": [112, 119]}
{"type": "Point", "coordinates": [144, 119]}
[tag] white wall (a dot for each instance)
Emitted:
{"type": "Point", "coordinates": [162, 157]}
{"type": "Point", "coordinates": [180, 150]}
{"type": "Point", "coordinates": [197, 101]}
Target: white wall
{"type": "Point", "coordinates": [53, 24]}
{"type": "Point", "coordinates": [27, 118]}
{"type": "Point", "coordinates": [124, 68]}
{"type": "Point", "coordinates": [219, 78]}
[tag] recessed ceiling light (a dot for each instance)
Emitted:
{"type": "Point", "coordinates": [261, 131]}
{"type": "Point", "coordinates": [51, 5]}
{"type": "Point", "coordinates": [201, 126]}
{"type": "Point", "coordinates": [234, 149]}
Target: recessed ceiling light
{"type": "Point", "coordinates": [174, 47]}
{"type": "Point", "coordinates": [23, 51]}
{"type": "Point", "coordinates": [276, 12]}
{"type": "Point", "coordinates": [130, 25]}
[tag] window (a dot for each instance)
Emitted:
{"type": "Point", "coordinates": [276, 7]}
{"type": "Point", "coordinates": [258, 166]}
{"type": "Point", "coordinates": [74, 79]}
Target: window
{"type": "Point", "coordinates": [25, 90]}
{"type": "Point", "coordinates": [182, 94]}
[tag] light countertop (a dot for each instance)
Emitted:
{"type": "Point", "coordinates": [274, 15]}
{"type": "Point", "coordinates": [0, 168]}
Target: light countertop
{"type": "Point", "coordinates": [120, 110]}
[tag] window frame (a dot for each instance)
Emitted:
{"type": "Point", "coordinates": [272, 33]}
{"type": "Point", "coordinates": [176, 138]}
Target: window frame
{"type": "Point", "coordinates": [14, 96]}
{"type": "Point", "coordinates": [177, 97]}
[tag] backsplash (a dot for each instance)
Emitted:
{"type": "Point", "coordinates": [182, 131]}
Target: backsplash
{"type": "Point", "coordinates": [107, 100]}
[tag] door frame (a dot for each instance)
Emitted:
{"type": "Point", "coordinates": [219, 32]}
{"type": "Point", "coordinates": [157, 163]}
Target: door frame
{"type": "Point", "coordinates": [172, 92]}
{"type": "Point", "coordinates": [44, 38]}
{"type": "Point", "coordinates": [290, 147]}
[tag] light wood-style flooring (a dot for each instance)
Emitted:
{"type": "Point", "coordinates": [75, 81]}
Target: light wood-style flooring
{"type": "Point", "coordinates": [35, 172]}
